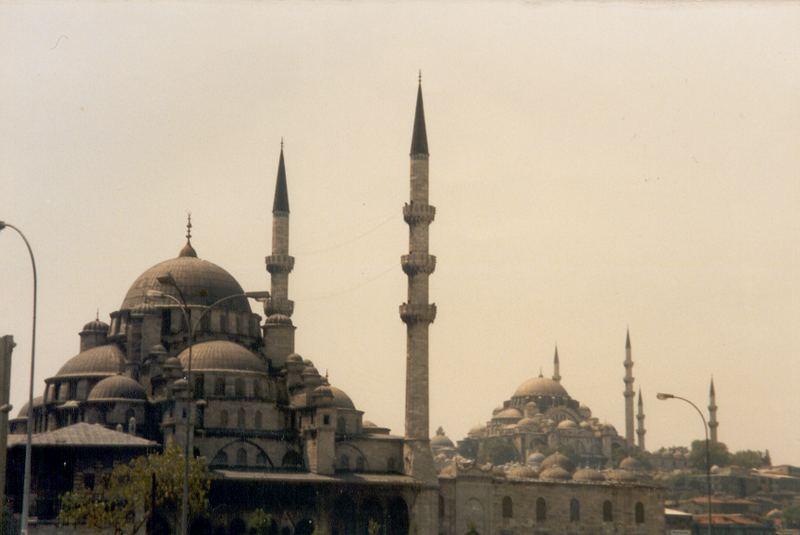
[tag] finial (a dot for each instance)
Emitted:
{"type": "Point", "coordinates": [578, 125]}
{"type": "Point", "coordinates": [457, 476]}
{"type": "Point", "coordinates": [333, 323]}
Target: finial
{"type": "Point", "coordinates": [627, 338]}
{"type": "Point", "coordinates": [97, 315]}
{"type": "Point", "coordinates": [540, 372]}
{"type": "Point", "coordinates": [188, 250]}
{"type": "Point", "coordinates": [420, 77]}
{"type": "Point", "coordinates": [281, 143]}
{"type": "Point", "coordinates": [555, 355]}
{"type": "Point", "coordinates": [188, 227]}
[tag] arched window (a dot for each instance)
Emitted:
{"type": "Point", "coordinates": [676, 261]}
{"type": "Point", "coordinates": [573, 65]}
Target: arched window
{"type": "Point", "coordinates": [219, 386]}
{"type": "Point", "coordinates": [639, 513]}
{"type": "Point", "coordinates": [608, 511]}
{"type": "Point", "coordinates": [541, 510]}
{"type": "Point", "coordinates": [238, 387]}
{"type": "Point", "coordinates": [508, 507]}
{"type": "Point", "coordinates": [345, 462]}
{"type": "Point", "coordinates": [257, 420]}
{"type": "Point", "coordinates": [261, 459]}
{"type": "Point", "coordinates": [223, 418]}
{"type": "Point", "coordinates": [241, 457]}
{"type": "Point", "coordinates": [574, 510]}
{"type": "Point", "coordinates": [220, 459]}
{"type": "Point", "coordinates": [258, 391]}
{"type": "Point", "coordinates": [240, 416]}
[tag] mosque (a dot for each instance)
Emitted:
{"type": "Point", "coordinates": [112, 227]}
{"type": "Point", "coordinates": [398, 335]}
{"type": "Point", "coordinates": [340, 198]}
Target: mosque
{"type": "Point", "coordinates": [186, 361]}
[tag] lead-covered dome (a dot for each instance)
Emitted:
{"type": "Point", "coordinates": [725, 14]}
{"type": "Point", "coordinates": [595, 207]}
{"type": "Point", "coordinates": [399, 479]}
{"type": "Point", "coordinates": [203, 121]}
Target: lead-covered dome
{"type": "Point", "coordinates": [221, 355]}
{"type": "Point", "coordinates": [201, 282]}
{"type": "Point", "coordinates": [540, 386]}
{"type": "Point", "coordinates": [341, 399]}
{"type": "Point", "coordinates": [102, 360]}
{"type": "Point", "coordinates": [117, 387]}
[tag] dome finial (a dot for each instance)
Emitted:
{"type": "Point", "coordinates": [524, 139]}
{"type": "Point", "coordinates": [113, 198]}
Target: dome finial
{"type": "Point", "coordinates": [540, 372]}
{"type": "Point", "coordinates": [97, 314]}
{"type": "Point", "coordinates": [188, 250]}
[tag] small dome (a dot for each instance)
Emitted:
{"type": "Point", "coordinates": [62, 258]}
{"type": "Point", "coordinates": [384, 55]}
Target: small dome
{"type": "Point", "coordinates": [322, 395]}
{"type": "Point", "coordinates": [555, 472]}
{"type": "Point", "coordinates": [294, 357]}
{"type": "Point", "coordinates": [541, 386]}
{"type": "Point", "coordinates": [526, 422]}
{"type": "Point", "coordinates": [117, 387]}
{"type": "Point", "coordinates": [440, 440]}
{"type": "Point", "coordinates": [157, 349]}
{"type": "Point", "coordinates": [101, 360]}
{"type": "Point", "coordinates": [95, 326]}
{"type": "Point", "coordinates": [222, 355]}
{"type": "Point", "coordinates": [621, 474]}
{"type": "Point", "coordinates": [508, 414]}
{"type": "Point", "coordinates": [631, 463]}
{"type": "Point", "coordinates": [567, 424]}
{"type": "Point", "coordinates": [588, 474]}
{"type": "Point", "coordinates": [558, 459]}
{"type": "Point", "coordinates": [25, 411]}
{"type": "Point", "coordinates": [497, 471]}
{"type": "Point", "coordinates": [341, 400]}
{"type": "Point", "coordinates": [369, 424]}
{"type": "Point", "coordinates": [173, 362]}
{"type": "Point", "coordinates": [498, 410]}
{"type": "Point", "coordinates": [477, 430]}
{"type": "Point", "coordinates": [201, 282]}
{"type": "Point", "coordinates": [535, 458]}
{"type": "Point", "coordinates": [521, 472]}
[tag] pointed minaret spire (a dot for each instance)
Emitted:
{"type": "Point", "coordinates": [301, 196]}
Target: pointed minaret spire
{"type": "Point", "coordinates": [188, 250]}
{"type": "Point", "coordinates": [629, 393]}
{"type": "Point", "coordinates": [419, 137]}
{"type": "Point", "coordinates": [418, 313]}
{"type": "Point", "coordinates": [556, 367]}
{"type": "Point", "coordinates": [278, 327]}
{"type": "Point", "coordinates": [712, 412]}
{"type": "Point", "coordinates": [640, 431]}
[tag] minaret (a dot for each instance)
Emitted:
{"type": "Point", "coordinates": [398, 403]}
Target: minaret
{"type": "Point", "coordinates": [556, 367]}
{"type": "Point", "coordinates": [640, 422]}
{"type": "Point", "coordinates": [278, 328]}
{"type": "Point", "coordinates": [629, 394]}
{"type": "Point", "coordinates": [418, 313]}
{"type": "Point", "coordinates": [712, 413]}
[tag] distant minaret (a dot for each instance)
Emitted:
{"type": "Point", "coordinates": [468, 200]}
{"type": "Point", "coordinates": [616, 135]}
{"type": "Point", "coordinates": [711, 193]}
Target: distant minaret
{"type": "Point", "coordinates": [278, 328]}
{"type": "Point", "coordinates": [418, 313]}
{"type": "Point", "coordinates": [712, 413]}
{"type": "Point", "coordinates": [556, 367]}
{"type": "Point", "coordinates": [629, 394]}
{"type": "Point", "coordinates": [640, 422]}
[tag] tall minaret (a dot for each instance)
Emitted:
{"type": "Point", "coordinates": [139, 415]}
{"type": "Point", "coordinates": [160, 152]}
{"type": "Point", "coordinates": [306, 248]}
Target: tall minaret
{"type": "Point", "coordinates": [556, 367]}
{"type": "Point", "coordinates": [278, 328]}
{"type": "Point", "coordinates": [418, 313]}
{"type": "Point", "coordinates": [712, 413]}
{"type": "Point", "coordinates": [640, 422]}
{"type": "Point", "coordinates": [629, 394]}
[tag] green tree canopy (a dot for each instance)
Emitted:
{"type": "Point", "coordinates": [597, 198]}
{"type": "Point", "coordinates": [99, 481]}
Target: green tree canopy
{"type": "Point", "coordinates": [122, 500]}
{"type": "Point", "coordinates": [498, 452]}
{"type": "Point", "coordinates": [749, 459]}
{"type": "Point", "coordinates": [718, 452]}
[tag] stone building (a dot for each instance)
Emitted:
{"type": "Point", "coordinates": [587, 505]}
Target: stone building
{"type": "Point", "coordinates": [274, 430]}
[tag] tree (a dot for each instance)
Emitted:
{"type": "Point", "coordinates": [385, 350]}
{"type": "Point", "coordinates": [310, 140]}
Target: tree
{"type": "Point", "coordinates": [498, 452]}
{"type": "Point", "coordinates": [118, 501]}
{"type": "Point", "coordinates": [261, 521]}
{"type": "Point", "coordinates": [748, 459]}
{"type": "Point", "coordinates": [719, 454]}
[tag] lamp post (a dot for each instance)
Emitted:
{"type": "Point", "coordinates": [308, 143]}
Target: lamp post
{"type": "Point", "coordinates": [662, 396]}
{"type": "Point", "coordinates": [169, 280]}
{"type": "Point", "coordinates": [26, 485]}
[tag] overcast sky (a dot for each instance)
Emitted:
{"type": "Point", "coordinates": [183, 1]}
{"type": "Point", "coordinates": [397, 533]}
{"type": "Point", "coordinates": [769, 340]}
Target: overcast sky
{"type": "Point", "coordinates": [594, 166]}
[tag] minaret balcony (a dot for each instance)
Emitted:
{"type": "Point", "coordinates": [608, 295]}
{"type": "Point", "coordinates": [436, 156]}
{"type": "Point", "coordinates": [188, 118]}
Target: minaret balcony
{"type": "Point", "coordinates": [279, 263]}
{"type": "Point", "coordinates": [416, 313]}
{"type": "Point", "coordinates": [278, 306]}
{"type": "Point", "coordinates": [414, 263]}
{"type": "Point", "coordinates": [416, 212]}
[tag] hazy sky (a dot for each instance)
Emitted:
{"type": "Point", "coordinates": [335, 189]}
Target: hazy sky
{"type": "Point", "coordinates": [593, 165]}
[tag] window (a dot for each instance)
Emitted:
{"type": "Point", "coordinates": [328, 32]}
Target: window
{"type": "Point", "coordinates": [219, 386]}
{"type": "Point", "coordinates": [541, 510]}
{"type": "Point", "coordinates": [199, 387]}
{"type": "Point", "coordinates": [257, 420]}
{"type": "Point", "coordinates": [223, 419]}
{"type": "Point", "coordinates": [258, 391]}
{"type": "Point", "coordinates": [326, 419]}
{"type": "Point", "coordinates": [608, 511]}
{"type": "Point", "coordinates": [239, 387]}
{"type": "Point", "coordinates": [639, 513]}
{"type": "Point", "coordinates": [261, 459]}
{"type": "Point", "coordinates": [574, 510]}
{"type": "Point", "coordinates": [241, 457]}
{"type": "Point", "coordinates": [345, 462]}
{"type": "Point", "coordinates": [508, 507]}
{"type": "Point", "coordinates": [220, 459]}
{"type": "Point", "coordinates": [240, 417]}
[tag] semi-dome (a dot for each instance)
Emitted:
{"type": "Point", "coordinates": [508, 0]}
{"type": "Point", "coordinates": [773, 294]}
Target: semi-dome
{"type": "Point", "coordinates": [340, 399]}
{"type": "Point", "coordinates": [117, 387]}
{"type": "Point", "coordinates": [201, 282]}
{"type": "Point", "coordinates": [102, 360]}
{"type": "Point", "coordinates": [508, 414]}
{"type": "Point", "coordinates": [567, 424]}
{"type": "Point", "coordinates": [221, 355]}
{"type": "Point", "coordinates": [540, 386]}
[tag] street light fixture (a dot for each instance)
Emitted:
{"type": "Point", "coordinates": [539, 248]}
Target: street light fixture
{"type": "Point", "coordinates": [663, 396]}
{"type": "Point", "coordinates": [168, 280]}
{"type": "Point", "coordinates": [26, 485]}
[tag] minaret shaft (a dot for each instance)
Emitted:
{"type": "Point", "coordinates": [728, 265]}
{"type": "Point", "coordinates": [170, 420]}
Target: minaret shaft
{"type": "Point", "coordinates": [629, 394]}
{"type": "Point", "coordinates": [713, 424]}
{"type": "Point", "coordinates": [640, 430]}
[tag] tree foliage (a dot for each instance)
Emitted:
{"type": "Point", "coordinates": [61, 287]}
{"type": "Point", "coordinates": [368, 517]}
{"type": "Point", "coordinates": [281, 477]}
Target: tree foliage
{"type": "Point", "coordinates": [122, 501]}
{"type": "Point", "coordinates": [498, 452]}
{"type": "Point", "coordinates": [749, 459]}
{"type": "Point", "coordinates": [718, 453]}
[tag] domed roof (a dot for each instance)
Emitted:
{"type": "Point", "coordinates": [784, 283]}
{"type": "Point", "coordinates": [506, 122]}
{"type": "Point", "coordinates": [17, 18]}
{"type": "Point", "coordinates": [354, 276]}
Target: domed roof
{"type": "Point", "coordinates": [631, 463]}
{"type": "Point", "coordinates": [340, 399]}
{"type": "Point", "coordinates": [95, 326]}
{"type": "Point", "coordinates": [621, 474]}
{"type": "Point", "coordinates": [526, 422]}
{"type": "Point", "coordinates": [201, 282]}
{"type": "Point", "coordinates": [522, 472]}
{"type": "Point", "coordinates": [476, 430]}
{"type": "Point", "coordinates": [558, 459]}
{"type": "Point", "coordinates": [117, 387]}
{"type": "Point", "coordinates": [441, 440]}
{"type": "Point", "coordinates": [554, 472]}
{"type": "Point", "coordinates": [25, 411]}
{"type": "Point", "coordinates": [588, 474]}
{"type": "Point", "coordinates": [221, 355]}
{"type": "Point", "coordinates": [540, 386]}
{"type": "Point", "coordinates": [100, 360]}
{"type": "Point", "coordinates": [567, 424]}
{"type": "Point", "coordinates": [535, 458]}
{"type": "Point", "coordinates": [508, 414]}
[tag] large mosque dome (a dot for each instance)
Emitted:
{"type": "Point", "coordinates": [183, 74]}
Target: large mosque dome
{"type": "Point", "coordinates": [102, 360]}
{"type": "Point", "coordinates": [221, 355]}
{"type": "Point", "coordinates": [201, 282]}
{"type": "Point", "coordinates": [540, 386]}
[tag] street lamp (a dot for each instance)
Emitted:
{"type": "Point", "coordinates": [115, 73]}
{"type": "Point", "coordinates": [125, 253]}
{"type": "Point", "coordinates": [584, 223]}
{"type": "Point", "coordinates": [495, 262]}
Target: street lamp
{"type": "Point", "coordinates": [662, 396]}
{"type": "Point", "coordinates": [168, 280]}
{"type": "Point", "coordinates": [26, 485]}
